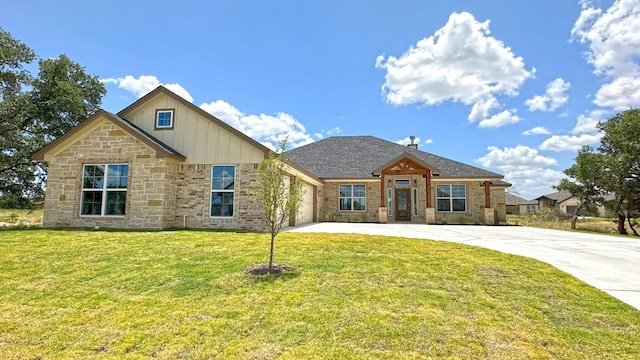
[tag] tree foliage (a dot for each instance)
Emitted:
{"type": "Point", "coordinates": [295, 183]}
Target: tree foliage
{"type": "Point", "coordinates": [621, 145]}
{"type": "Point", "coordinates": [279, 200]}
{"type": "Point", "coordinates": [584, 180]}
{"type": "Point", "coordinates": [613, 169]}
{"type": "Point", "coordinates": [35, 111]}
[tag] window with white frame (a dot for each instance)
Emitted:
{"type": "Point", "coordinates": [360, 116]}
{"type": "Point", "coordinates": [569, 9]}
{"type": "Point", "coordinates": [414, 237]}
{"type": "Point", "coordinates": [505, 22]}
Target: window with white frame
{"type": "Point", "coordinates": [353, 198]}
{"type": "Point", "coordinates": [104, 189]}
{"type": "Point", "coordinates": [451, 198]}
{"type": "Point", "coordinates": [222, 190]}
{"type": "Point", "coordinates": [531, 208]}
{"type": "Point", "coordinates": [164, 119]}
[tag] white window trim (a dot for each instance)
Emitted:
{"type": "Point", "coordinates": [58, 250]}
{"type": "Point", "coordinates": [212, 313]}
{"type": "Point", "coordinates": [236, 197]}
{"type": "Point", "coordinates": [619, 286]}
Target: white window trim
{"type": "Point", "coordinates": [352, 196]}
{"type": "Point", "coordinates": [104, 191]}
{"type": "Point", "coordinates": [158, 112]}
{"type": "Point", "coordinates": [212, 190]}
{"type": "Point", "coordinates": [451, 198]}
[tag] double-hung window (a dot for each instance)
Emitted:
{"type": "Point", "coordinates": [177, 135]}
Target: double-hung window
{"type": "Point", "coordinates": [451, 198]}
{"type": "Point", "coordinates": [222, 190]}
{"type": "Point", "coordinates": [353, 198]}
{"type": "Point", "coordinates": [164, 119]}
{"type": "Point", "coordinates": [104, 189]}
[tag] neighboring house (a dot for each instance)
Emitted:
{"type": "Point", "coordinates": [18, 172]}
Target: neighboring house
{"type": "Point", "coordinates": [370, 178]}
{"type": "Point", "coordinates": [518, 205]}
{"type": "Point", "coordinates": [163, 162]}
{"type": "Point", "coordinates": [566, 204]}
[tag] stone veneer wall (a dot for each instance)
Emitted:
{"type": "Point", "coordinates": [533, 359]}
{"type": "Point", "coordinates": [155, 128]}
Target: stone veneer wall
{"type": "Point", "coordinates": [475, 202]}
{"type": "Point", "coordinates": [329, 202]}
{"type": "Point", "coordinates": [193, 196]}
{"type": "Point", "coordinates": [149, 197]}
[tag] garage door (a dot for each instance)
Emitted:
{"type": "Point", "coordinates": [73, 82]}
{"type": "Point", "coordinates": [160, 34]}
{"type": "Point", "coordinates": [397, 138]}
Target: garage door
{"type": "Point", "coordinates": [306, 210]}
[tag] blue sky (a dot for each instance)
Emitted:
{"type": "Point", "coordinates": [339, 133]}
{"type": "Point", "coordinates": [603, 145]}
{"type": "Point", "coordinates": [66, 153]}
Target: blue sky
{"type": "Point", "coordinates": [512, 86]}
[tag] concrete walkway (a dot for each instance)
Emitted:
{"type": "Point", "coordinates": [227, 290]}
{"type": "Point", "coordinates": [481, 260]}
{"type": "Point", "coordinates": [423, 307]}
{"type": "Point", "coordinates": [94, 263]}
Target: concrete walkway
{"type": "Point", "coordinates": [609, 263]}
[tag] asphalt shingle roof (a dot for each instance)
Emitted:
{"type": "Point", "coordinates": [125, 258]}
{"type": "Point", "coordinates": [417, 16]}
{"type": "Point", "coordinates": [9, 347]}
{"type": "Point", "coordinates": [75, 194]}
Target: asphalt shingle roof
{"type": "Point", "coordinates": [359, 156]}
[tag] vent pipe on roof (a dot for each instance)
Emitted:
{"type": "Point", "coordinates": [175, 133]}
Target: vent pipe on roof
{"type": "Point", "coordinates": [413, 145]}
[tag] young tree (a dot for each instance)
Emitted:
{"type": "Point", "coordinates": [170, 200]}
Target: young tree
{"type": "Point", "coordinates": [584, 181]}
{"type": "Point", "coordinates": [35, 111]}
{"type": "Point", "coordinates": [278, 200]}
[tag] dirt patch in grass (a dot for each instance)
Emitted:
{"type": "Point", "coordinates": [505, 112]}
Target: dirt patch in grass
{"type": "Point", "coordinates": [263, 269]}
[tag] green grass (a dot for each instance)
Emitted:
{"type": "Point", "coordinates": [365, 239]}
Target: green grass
{"type": "Point", "coordinates": [10, 218]}
{"type": "Point", "coordinates": [182, 294]}
{"type": "Point", "coordinates": [605, 226]}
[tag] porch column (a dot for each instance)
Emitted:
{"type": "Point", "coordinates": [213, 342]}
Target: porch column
{"type": "Point", "coordinates": [382, 210]}
{"type": "Point", "coordinates": [428, 182]}
{"type": "Point", "coordinates": [487, 194]}
{"type": "Point", "coordinates": [382, 202]}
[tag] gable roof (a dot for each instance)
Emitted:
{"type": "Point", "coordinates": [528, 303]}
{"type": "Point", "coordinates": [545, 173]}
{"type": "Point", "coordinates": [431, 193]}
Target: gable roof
{"type": "Point", "coordinates": [162, 150]}
{"type": "Point", "coordinates": [511, 199]}
{"type": "Point", "coordinates": [409, 156]}
{"type": "Point", "coordinates": [360, 156]}
{"type": "Point", "coordinates": [163, 90]}
{"type": "Point", "coordinates": [558, 196]}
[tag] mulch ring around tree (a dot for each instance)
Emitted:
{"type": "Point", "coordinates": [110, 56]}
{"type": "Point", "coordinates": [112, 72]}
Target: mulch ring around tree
{"type": "Point", "coordinates": [263, 269]}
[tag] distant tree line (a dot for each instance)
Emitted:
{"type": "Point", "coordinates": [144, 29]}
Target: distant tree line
{"type": "Point", "coordinates": [35, 110]}
{"type": "Point", "coordinates": [609, 175]}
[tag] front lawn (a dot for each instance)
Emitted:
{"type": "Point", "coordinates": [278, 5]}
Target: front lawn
{"type": "Point", "coordinates": [182, 294]}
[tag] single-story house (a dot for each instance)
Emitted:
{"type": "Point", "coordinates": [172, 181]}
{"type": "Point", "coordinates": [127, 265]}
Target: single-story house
{"type": "Point", "coordinates": [566, 204]}
{"type": "Point", "coordinates": [164, 162]}
{"type": "Point", "coordinates": [518, 205]}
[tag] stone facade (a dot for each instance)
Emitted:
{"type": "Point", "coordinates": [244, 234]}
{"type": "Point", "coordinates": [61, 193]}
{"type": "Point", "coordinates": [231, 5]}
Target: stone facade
{"type": "Point", "coordinates": [474, 214]}
{"type": "Point", "coordinates": [150, 191]}
{"type": "Point", "coordinates": [161, 193]}
{"type": "Point", "coordinates": [194, 194]}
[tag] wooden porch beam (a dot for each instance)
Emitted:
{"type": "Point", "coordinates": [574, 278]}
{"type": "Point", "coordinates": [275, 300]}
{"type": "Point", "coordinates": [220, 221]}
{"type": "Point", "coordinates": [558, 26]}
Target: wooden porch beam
{"type": "Point", "coordinates": [487, 194]}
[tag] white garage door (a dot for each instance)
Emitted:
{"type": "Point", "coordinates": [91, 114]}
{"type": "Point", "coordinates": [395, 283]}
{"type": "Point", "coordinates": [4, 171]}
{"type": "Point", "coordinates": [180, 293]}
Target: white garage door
{"type": "Point", "coordinates": [306, 210]}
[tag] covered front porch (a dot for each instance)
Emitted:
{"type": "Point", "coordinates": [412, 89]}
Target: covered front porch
{"type": "Point", "coordinates": [412, 191]}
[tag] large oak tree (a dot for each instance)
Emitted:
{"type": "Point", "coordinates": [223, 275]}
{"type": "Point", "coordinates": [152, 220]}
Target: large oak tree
{"type": "Point", "coordinates": [35, 110]}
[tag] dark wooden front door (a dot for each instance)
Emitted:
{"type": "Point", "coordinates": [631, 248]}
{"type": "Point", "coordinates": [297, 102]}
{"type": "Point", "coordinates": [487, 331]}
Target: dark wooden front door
{"type": "Point", "coordinates": [403, 204]}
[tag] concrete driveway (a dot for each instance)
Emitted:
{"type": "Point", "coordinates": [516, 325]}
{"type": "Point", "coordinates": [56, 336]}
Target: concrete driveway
{"type": "Point", "coordinates": [609, 263]}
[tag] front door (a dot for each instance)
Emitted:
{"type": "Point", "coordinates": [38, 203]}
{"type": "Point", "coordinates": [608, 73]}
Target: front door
{"type": "Point", "coordinates": [403, 205]}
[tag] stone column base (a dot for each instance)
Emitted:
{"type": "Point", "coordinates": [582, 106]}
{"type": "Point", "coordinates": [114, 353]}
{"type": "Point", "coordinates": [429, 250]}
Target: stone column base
{"type": "Point", "coordinates": [430, 216]}
{"type": "Point", "coordinates": [489, 216]}
{"type": "Point", "coordinates": [382, 215]}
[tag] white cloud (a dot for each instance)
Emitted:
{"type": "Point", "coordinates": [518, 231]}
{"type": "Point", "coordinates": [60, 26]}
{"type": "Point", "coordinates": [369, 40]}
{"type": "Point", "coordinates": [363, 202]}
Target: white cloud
{"type": "Point", "coordinates": [506, 117]}
{"type": "Point", "coordinates": [516, 156]}
{"type": "Point", "coordinates": [587, 123]}
{"type": "Point", "coordinates": [538, 130]}
{"type": "Point", "coordinates": [613, 37]}
{"type": "Point", "coordinates": [267, 129]}
{"type": "Point", "coordinates": [407, 141]}
{"type": "Point", "coordinates": [554, 97]}
{"type": "Point", "coordinates": [461, 62]}
{"type": "Point", "coordinates": [524, 167]}
{"type": "Point", "coordinates": [143, 84]}
{"type": "Point", "coordinates": [569, 142]}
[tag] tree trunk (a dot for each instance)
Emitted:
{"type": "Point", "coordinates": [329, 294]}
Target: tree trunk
{"type": "Point", "coordinates": [621, 229]}
{"type": "Point", "coordinates": [574, 218]}
{"type": "Point", "coordinates": [632, 226]}
{"type": "Point", "coordinates": [273, 238]}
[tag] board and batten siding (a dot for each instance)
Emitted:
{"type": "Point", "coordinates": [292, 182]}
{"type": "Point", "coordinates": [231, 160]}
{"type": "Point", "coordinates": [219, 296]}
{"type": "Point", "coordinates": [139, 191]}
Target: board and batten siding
{"type": "Point", "coordinates": [199, 139]}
